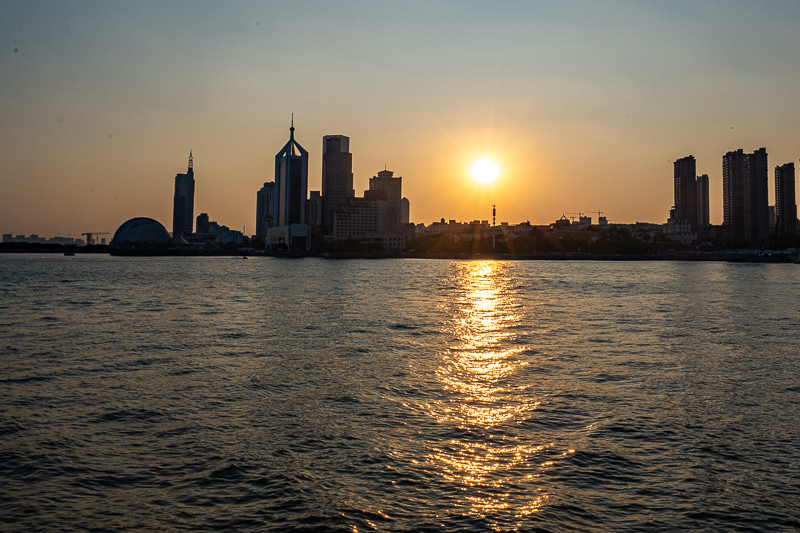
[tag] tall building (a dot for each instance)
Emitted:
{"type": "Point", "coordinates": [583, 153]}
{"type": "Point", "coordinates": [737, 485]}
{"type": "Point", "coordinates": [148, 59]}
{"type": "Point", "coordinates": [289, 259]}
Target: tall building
{"type": "Point", "coordinates": [291, 190]}
{"type": "Point", "coordinates": [685, 179]}
{"type": "Point", "coordinates": [758, 197]}
{"type": "Point", "coordinates": [183, 202]}
{"type": "Point", "coordinates": [405, 211]}
{"type": "Point", "coordinates": [392, 187]}
{"type": "Point", "coordinates": [703, 219]}
{"type": "Point", "coordinates": [733, 195]}
{"type": "Point", "coordinates": [265, 209]}
{"type": "Point", "coordinates": [337, 177]}
{"type": "Point", "coordinates": [785, 202]}
{"type": "Point", "coordinates": [744, 197]}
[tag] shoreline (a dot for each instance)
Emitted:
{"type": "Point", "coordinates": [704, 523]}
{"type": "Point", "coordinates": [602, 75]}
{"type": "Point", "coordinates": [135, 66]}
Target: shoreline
{"type": "Point", "coordinates": [729, 256]}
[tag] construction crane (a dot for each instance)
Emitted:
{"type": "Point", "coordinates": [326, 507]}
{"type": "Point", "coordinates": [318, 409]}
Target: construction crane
{"type": "Point", "coordinates": [90, 236]}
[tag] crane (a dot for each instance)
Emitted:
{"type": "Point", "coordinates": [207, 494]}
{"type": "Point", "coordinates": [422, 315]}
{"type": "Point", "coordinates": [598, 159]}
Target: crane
{"type": "Point", "coordinates": [90, 236]}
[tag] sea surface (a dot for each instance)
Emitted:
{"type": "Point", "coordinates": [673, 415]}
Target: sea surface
{"type": "Point", "coordinates": [268, 394]}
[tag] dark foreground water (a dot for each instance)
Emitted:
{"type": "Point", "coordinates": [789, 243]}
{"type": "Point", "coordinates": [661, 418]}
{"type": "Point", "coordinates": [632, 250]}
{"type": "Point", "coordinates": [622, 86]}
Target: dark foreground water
{"type": "Point", "coordinates": [268, 394]}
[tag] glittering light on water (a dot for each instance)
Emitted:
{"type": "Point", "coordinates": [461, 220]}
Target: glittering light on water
{"type": "Point", "coordinates": [481, 373]}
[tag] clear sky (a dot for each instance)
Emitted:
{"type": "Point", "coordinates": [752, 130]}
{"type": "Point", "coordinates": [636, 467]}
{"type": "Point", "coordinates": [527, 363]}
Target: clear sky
{"type": "Point", "coordinates": [585, 105]}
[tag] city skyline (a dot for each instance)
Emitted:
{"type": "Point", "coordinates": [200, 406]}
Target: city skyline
{"type": "Point", "coordinates": [583, 107]}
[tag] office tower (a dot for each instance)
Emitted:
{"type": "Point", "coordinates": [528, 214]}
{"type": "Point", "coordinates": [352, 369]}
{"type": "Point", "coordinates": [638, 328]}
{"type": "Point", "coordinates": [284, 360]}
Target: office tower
{"type": "Point", "coordinates": [265, 209]}
{"type": "Point", "coordinates": [744, 196]}
{"type": "Point", "coordinates": [337, 177]}
{"type": "Point", "coordinates": [183, 202]}
{"type": "Point", "coordinates": [405, 211]}
{"type": "Point", "coordinates": [785, 202]}
{"type": "Point", "coordinates": [291, 190]}
{"type": "Point", "coordinates": [392, 187]}
{"type": "Point", "coordinates": [703, 219]}
{"type": "Point", "coordinates": [686, 190]}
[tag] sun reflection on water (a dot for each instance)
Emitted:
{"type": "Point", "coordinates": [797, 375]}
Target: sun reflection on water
{"type": "Point", "coordinates": [486, 398]}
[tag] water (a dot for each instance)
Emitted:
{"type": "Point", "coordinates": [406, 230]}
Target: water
{"type": "Point", "coordinates": [269, 394]}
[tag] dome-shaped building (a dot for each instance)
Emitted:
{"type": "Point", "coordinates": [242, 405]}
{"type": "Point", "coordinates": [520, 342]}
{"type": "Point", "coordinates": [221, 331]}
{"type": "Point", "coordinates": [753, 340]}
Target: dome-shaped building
{"type": "Point", "coordinates": [140, 233]}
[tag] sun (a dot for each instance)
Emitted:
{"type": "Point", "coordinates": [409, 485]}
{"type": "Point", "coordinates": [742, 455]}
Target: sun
{"type": "Point", "coordinates": [485, 171]}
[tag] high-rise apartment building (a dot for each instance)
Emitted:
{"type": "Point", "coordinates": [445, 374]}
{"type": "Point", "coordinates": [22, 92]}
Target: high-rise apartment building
{"type": "Point", "coordinates": [744, 197]}
{"type": "Point", "coordinates": [758, 197]}
{"type": "Point", "coordinates": [265, 209]}
{"type": "Point", "coordinates": [703, 218]}
{"type": "Point", "coordinates": [785, 202]}
{"type": "Point", "coordinates": [685, 180]}
{"type": "Point", "coordinates": [291, 190]}
{"type": "Point", "coordinates": [337, 177]}
{"type": "Point", "coordinates": [183, 202]}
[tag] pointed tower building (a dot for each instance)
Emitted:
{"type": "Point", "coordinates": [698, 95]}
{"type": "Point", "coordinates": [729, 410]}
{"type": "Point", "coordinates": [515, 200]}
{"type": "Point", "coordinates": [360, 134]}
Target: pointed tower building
{"type": "Point", "coordinates": [291, 191]}
{"type": "Point", "coordinates": [183, 202]}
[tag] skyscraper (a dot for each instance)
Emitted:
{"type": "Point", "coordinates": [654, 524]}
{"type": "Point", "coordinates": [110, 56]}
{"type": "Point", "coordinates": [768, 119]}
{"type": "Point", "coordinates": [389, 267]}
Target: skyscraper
{"type": "Point", "coordinates": [758, 197]}
{"type": "Point", "coordinates": [337, 177]}
{"type": "Point", "coordinates": [785, 203]}
{"type": "Point", "coordinates": [744, 196]}
{"type": "Point", "coordinates": [703, 219]}
{"type": "Point", "coordinates": [392, 187]}
{"type": "Point", "coordinates": [405, 211]}
{"type": "Point", "coordinates": [291, 190]}
{"type": "Point", "coordinates": [183, 202]}
{"type": "Point", "coordinates": [265, 209]}
{"type": "Point", "coordinates": [686, 190]}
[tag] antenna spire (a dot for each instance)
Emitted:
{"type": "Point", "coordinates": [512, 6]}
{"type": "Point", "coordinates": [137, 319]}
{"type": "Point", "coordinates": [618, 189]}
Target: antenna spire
{"type": "Point", "coordinates": [191, 160]}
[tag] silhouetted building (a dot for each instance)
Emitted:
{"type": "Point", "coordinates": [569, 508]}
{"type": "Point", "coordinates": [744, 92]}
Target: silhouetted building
{"type": "Point", "coordinates": [785, 202]}
{"type": "Point", "coordinates": [392, 187]}
{"type": "Point", "coordinates": [703, 219]}
{"type": "Point", "coordinates": [405, 211]}
{"type": "Point", "coordinates": [361, 218]}
{"type": "Point", "coordinates": [265, 209]}
{"type": "Point", "coordinates": [337, 177]}
{"type": "Point", "coordinates": [183, 202]}
{"type": "Point", "coordinates": [758, 190]}
{"type": "Point", "coordinates": [314, 209]}
{"type": "Point", "coordinates": [744, 195]}
{"type": "Point", "coordinates": [685, 179]}
{"type": "Point", "coordinates": [291, 190]}
{"type": "Point", "coordinates": [142, 234]}
{"type": "Point", "coordinates": [209, 231]}
{"type": "Point", "coordinates": [203, 223]}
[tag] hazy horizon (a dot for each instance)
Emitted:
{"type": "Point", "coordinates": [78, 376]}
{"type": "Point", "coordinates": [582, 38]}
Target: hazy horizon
{"type": "Point", "coordinates": [585, 107]}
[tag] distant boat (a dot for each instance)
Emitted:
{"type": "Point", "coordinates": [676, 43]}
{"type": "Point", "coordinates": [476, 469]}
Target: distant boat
{"type": "Point", "coordinates": [69, 252]}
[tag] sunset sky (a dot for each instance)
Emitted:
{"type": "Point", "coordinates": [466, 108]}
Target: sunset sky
{"type": "Point", "coordinates": [583, 105]}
